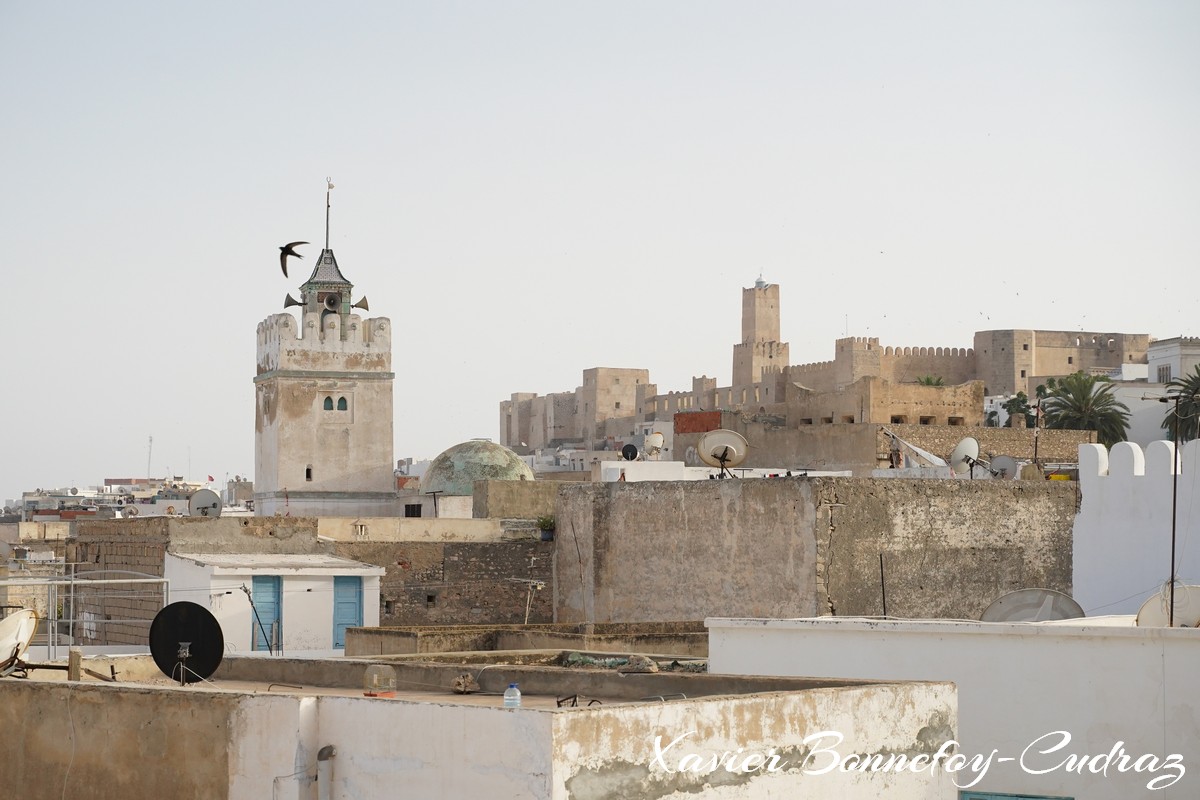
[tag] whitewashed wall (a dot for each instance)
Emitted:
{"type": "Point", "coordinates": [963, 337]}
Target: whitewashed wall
{"type": "Point", "coordinates": [1016, 683]}
{"type": "Point", "coordinates": [307, 613]}
{"type": "Point", "coordinates": [1122, 534]}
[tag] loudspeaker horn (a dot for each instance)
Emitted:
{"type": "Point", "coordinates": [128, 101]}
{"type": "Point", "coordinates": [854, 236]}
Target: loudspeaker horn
{"type": "Point", "coordinates": [332, 301]}
{"type": "Point", "coordinates": [362, 304]}
{"type": "Point", "coordinates": [290, 301]}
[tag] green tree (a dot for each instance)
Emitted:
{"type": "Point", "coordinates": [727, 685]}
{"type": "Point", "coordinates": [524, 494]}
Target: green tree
{"type": "Point", "coordinates": [1187, 390]}
{"type": "Point", "coordinates": [1017, 404]}
{"type": "Point", "coordinates": [1082, 402]}
{"type": "Point", "coordinates": [930, 380]}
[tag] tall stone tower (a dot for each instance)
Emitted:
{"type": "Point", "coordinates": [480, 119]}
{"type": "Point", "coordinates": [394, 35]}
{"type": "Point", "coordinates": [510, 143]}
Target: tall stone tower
{"type": "Point", "coordinates": [760, 346]}
{"type": "Point", "coordinates": [323, 405]}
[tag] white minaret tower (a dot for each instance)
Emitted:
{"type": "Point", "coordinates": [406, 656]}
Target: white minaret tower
{"type": "Point", "coordinates": [323, 404]}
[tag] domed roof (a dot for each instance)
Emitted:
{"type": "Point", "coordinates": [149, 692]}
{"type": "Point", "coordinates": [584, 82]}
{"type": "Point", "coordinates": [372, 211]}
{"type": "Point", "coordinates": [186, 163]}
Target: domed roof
{"type": "Point", "coordinates": [455, 471]}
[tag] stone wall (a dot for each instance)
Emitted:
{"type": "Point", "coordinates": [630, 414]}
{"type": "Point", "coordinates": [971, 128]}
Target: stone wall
{"type": "Point", "coordinates": [514, 499]}
{"type": "Point", "coordinates": [1053, 446]}
{"type": "Point", "coordinates": [803, 547]}
{"type": "Point", "coordinates": [456, 583]}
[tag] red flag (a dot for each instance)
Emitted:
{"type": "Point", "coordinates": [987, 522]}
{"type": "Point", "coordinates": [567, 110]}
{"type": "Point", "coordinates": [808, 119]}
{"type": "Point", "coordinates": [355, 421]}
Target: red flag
{"type": "Point", "coordinates": [211, 479]}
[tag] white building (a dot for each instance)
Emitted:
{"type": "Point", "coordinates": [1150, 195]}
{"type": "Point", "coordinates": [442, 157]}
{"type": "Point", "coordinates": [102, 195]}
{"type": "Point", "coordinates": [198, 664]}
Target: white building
{"type": "Point", "coordinates": [1169, 359]}
{"type": "Point", "coordinates": [1052, 707]}
{"type": "Point", "coordinates": [302, 604]}
{"type": "Point", "coordinates": [1122, 534]}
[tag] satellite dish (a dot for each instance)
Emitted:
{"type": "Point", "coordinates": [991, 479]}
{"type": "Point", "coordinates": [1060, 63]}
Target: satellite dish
{"type": "Point", "coordinates": [186, 642]}
{"type": "Point", "coordinates": [16, 632]}
{"type": "Point", "coordinates": [204, 503]}
{"type": "Point", "coordinates": [964, 455]}
{"type": "Point", "coordinates": [1032, 605]}
{"type": "Point", "coordinates": [654, 443]}
{"type": "Point", "coordinates": [722, 448]}
{"type": "Point", "coordinates": [1005, 467]}
{"type": "Point", "coordinates": [629, 452]}
{"type": "Point", "coordinates": [131, 511]}
{"type": "Point", "coordinates": [74, 490]}
{"type": "Point", "coordinates": [1153, 613]}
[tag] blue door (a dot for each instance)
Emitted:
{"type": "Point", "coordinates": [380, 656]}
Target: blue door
{"type": "Point", "coordinates": [267, 626]}
{"type": "Point", "coordinates": [347, 607]}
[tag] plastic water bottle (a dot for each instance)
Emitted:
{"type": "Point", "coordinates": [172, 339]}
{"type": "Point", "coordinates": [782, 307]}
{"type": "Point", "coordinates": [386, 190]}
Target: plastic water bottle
{"type": "Point", "coordinates": [512, 696]}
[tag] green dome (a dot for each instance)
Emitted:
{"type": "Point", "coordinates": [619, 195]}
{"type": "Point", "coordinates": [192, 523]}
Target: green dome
{"type": "Point", "coordinates": [455, 471]}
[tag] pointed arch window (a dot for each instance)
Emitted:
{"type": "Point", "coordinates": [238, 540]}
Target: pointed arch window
{"type": "Point", "coordinates": [341, 404]}
{"type": "Point", "coordinates": [328, 404]}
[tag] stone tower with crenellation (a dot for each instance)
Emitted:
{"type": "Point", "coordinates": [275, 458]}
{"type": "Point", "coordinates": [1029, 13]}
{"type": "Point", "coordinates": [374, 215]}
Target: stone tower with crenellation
{"type": "Point", "coordinates": [760, 346]}
{"type": "Point", "coordinates": [323, 405]}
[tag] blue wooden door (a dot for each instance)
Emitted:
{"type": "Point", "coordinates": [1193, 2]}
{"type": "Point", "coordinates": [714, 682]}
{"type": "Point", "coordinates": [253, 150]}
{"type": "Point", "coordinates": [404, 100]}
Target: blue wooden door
{"type": "Point", "coordinates": [268, 602]}
{"type": "Point", "coordinates": [347, 607]}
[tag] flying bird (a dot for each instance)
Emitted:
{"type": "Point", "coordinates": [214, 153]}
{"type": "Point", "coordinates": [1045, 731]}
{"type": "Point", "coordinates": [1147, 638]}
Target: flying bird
{"type": "Point", "coordinates": [285, 251]}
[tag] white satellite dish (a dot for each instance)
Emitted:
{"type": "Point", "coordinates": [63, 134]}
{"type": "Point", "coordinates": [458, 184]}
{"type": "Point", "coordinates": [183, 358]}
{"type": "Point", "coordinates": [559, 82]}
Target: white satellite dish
{"type": "Point", "coordinates": [722, 448]}
{"type": "Point", "coordinates": [1032, 605]}
{"type": "Point", "coordinates": [1005, 467]}
{"type": "Point", "coordinates": [204, 503]}
{"type": "Point", "coordinates": [16, 632]}
{"type": "Point", "coordinates": [1153, 613]}
{"type": "Point", "coordinates": [654, 443]}
{"type": "Point", "coordinates": [965, 453]}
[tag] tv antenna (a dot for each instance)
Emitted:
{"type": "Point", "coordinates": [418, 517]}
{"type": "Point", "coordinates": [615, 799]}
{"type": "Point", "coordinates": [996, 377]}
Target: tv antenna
{"type": "Point", "coordinates": [723, 448]}
{"type": "Point", "coordinates": [1032, 605]}
{"type": "Point", "coordinates": [204, 503]}
{"type": "Point", "coordinates": [965, 458]}
{"type": "Point", "coordinates": [629, 452]}
{"type": "Point", "coordinates": [1158, 613]}
{"type": "Point", "coordinates": [186, 642]}
{"type": "Point", "coordinates": [654, 444]}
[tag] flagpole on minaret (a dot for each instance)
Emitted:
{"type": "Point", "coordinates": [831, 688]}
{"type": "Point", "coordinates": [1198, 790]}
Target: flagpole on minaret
{"type": "Point", "coordinates": [329, 185]}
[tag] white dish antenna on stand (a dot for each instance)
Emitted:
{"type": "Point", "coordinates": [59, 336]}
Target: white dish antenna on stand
{"type": "Point", "coordinates": [204, 503]}
{"type": "Point", "coordinates": [723, 448]}
{"type": "Point", "coordinates": [1153, 613]}
{"type": "Point", "coordinates": [965, 458]}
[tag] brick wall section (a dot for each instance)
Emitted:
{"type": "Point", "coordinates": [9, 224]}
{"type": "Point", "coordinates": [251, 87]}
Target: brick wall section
{"type": "Point", "coordinates": [468, 581]}
{"type": "Point", "coordinates": [122, 613]}
{"type": "Point", "coordinates": [697, 421]}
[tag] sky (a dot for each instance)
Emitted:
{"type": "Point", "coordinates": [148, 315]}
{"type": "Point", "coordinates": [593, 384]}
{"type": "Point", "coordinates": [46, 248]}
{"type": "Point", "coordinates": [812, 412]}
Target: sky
{"type": "Point", "coordinates": [531, 189]}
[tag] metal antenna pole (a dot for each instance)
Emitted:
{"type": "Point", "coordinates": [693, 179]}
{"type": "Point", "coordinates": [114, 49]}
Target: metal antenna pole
{"type": "Point", "coordinates": [1174, 502]}
{"type": "Point", "coordinates": [329, 186]}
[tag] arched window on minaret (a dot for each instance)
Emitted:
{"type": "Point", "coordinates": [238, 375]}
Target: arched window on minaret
{"type": "Point", "coordinates": [329, 404]}
{"type": "Point", "coordinates": [341, 404]}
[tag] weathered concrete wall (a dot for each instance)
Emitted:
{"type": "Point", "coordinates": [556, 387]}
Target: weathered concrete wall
{"type": "Point", "coordinates": [1017, 685]}
{"type": "Point", "coordinates": [1053, 446]}
{"type": "Point", "coordinates": [598, 755]}
{"type": "Point", "coordinates": [950, 547]}
{"type": "Point", "coordinates": [409, 529]}
{"type": "Point", "coordinates": [514, 499]}
{"type": "Point", "coordinates": [454, 583]}
{"type": "Point", "coordinates": [803, 547]}
{"type": "Point", "coordinates": [116, 743]}
{"type": "Point", "coordinates": [684, 550]}
{"type": "Point", "coordinates": [688, 639]}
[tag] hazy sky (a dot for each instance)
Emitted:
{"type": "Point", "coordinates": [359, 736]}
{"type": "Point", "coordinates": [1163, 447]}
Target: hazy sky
{"type": "Point", "coordinates": [529, 189]}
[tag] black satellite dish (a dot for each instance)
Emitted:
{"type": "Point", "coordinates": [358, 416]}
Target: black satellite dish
{"type": "Point", "coordinates": [629, 452]}
{"type": "Point", "coordinates": [186, 642]}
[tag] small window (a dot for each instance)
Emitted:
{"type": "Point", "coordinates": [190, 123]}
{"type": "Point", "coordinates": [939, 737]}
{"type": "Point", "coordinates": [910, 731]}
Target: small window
{"type": "Point", "coordinates": [848, 418]}
{"type": "Point", "coordinates": [955, 421]}
{"type": "Point", "coordinates": [1164, 375]}
{"type": "Point", "coordinates": [1070, 359]}
{"type": "Point", "coordinates": [341, 404]}
{"type": "Point", "coordinates": [308, 473]}
{"type": "Point", "coordinates": [430, 600]}
{"type": "Point", "coordinates": [926, 420]}
{"type": "Point", "coordinates": [389, 606]}
{"type": "Point", "coordinates": [329, 404]}
{"type": "Point", "coordinates": [899, 419]}
{"type": "Point", "coordinates": [827, 420]}
{"type": "Point", "coordinates": [412, 510]}
{"type": "Point", "coordinates": [1024, 347]}
{"type": "Point", "coordinates": [618, 404]}
{"type": "Point", "coordinates": [1022, 373]}
{"type": "Point", "coordinates": [806, 421]}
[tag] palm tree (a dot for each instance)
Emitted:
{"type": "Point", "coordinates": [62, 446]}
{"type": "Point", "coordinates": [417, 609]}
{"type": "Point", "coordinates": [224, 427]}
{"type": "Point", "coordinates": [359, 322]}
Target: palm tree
{"type": "Point", "coordinates": [930, 380]}
{"type": "Point", "coordinates": [1187, 391]}
{"type": "Point", "coordinates": [1083, 402]}
{"type": "Point", "coordinates": [1017, 404]}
